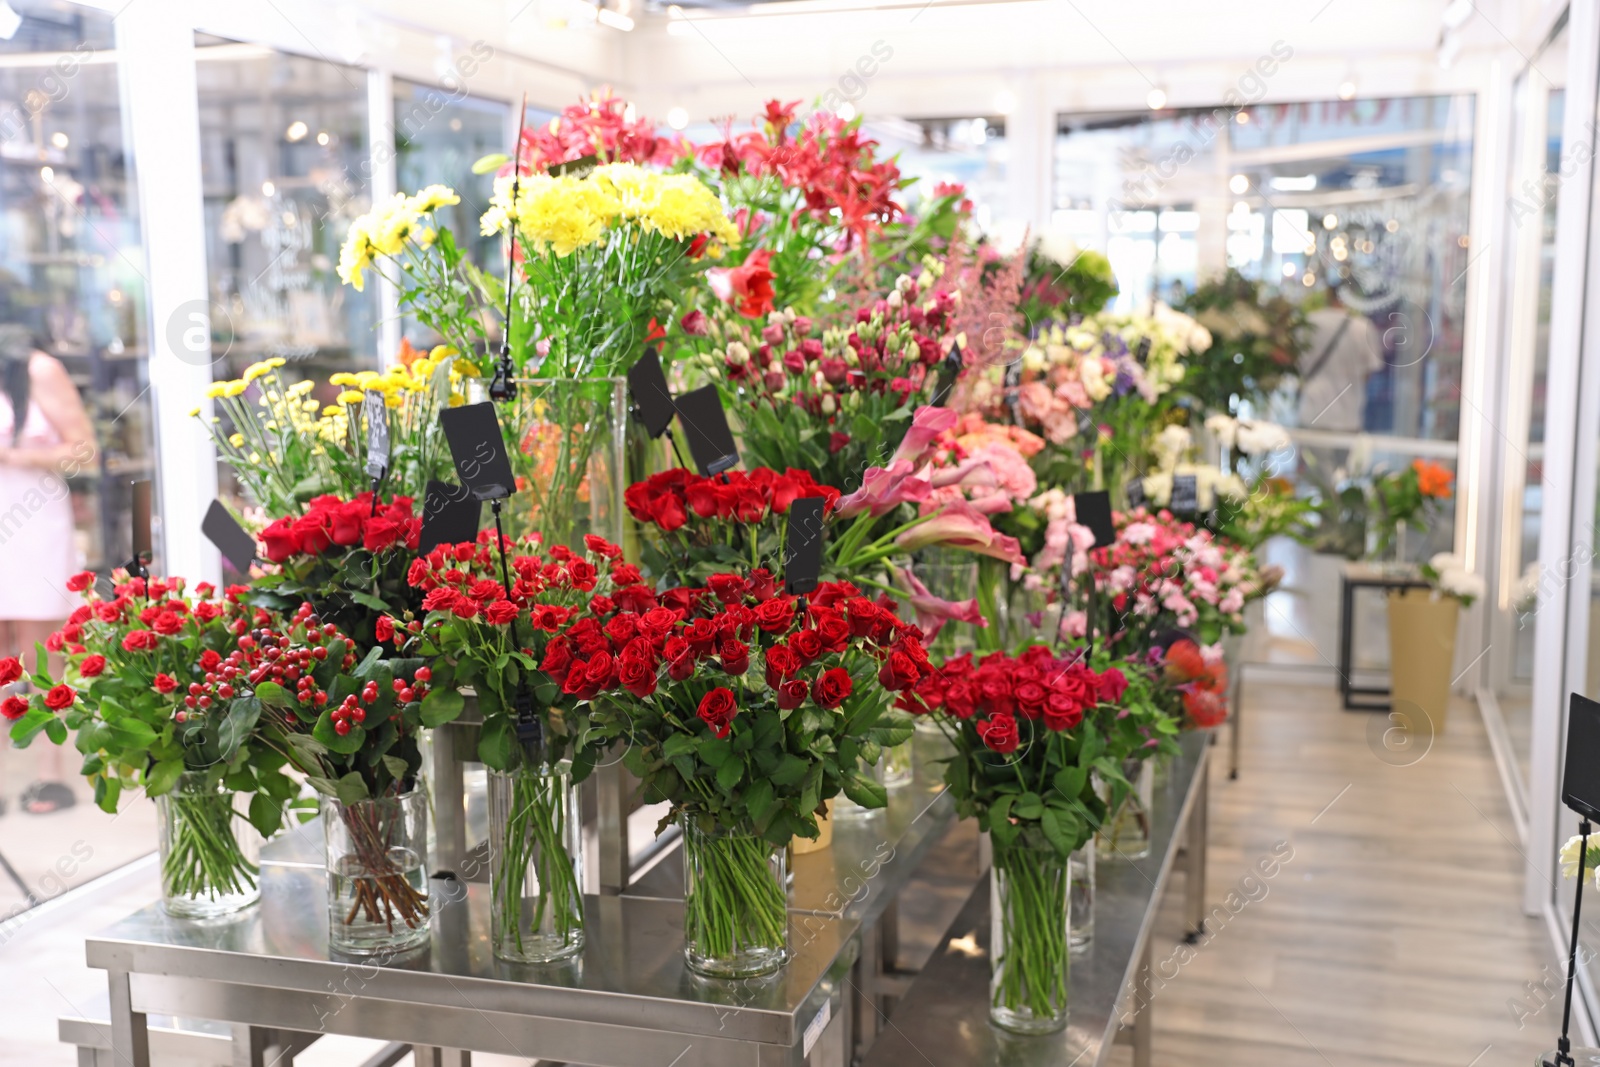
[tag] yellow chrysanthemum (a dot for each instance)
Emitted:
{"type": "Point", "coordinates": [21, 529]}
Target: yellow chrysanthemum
{"type": "Point", "coordinates": [344, 377]}
{"type": "Point", "coordinates": [236, 440]}
{"type": "Point", "coordinates": [332, 409]}
{"type": "Point", "coordinates": [433, 198]}
{"type": "Point", "coordinates": [440, 353]}
{"type": "Point", "coordinates": [218, 389]}
{"type": "Point", "coordinates": [235, 388]}
{"type": "Point", "coordinates": [351, 396]}
{"type": "Point", "coordinates": [195, 413]}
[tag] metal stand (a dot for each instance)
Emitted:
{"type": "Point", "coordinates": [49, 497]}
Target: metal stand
{"type": "Point", "coordinates": [1564, 1046]}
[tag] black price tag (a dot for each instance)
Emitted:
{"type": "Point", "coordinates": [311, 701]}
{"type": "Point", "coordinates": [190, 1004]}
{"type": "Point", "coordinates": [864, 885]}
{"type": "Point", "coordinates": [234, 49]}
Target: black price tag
{"type": "Point", "coordinates": [1185, 494]}
{"type": "Point", "coordinates": [450, 515]}
{"type": "Point", "coordinates": [1136, 497]}
{"type": "Point", "coordinates": [581, 167]}
{"type": "Point", "coordinates": [1094, 511]}
{"type": "Point", "coordinates": [652, 396]}
{"type": "Point", "coordinates": [705, 427]}
{"type": "Point", "coordinates": [376, 411]}
{"type": "Point", "coordinates": [238, 548]}
{"type": "Point", "coordinates": [949, 371]}
{"type": "Point", "coordinates": [479, 450]}
{"type": "Point", "coordinates": [802, 546]}
{"type": "Point", "coordinates": [143, 541]}
{"type": "Point", "coordinates": [1141, 351]}
{"type": "Point", "coordinates": [1580, 783]}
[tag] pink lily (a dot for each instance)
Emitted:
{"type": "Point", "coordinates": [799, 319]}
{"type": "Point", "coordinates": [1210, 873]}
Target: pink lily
{"type": "Point", "coordinates": [883, 489]}
{"type": "Point", "coordinates": [976, 473]}
{"type": "Point", "coordinates": [960, 525]}
{"type": "Point", "coordinates": [926, 426]}
{"type": "Point", "coordinates": [933, 612]}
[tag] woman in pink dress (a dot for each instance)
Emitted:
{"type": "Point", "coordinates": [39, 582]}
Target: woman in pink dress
{"type": "Point", "coordinates": [45, 438]}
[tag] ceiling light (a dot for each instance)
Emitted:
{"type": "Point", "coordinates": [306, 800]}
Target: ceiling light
{"type": "Point", "coordinates": [615, 19]}
{"type": "Point", "coordinates": [323, 138]}
{"type": "Point", "coordinates": [59, 139]}
{"type": "Point", "coordinates": [47, 174]}
{"type": "Point", "coordinates": [1241, 117]}
{"type": "Point", "coordinates": [846, 111]}
{"type": "Point", "coordinates": [455, 125]}
{"type": "Point", "coordinates": [1456, 13]}
{"type": "Point", "coordinates": [1005, 101]}
{"type": "Point", "coordinates": [1330, 222]}
{"type": "Point", "coordinates": [1289, 270]}
{"type": "Point", "coordinates": [296, 130]}
{"type": "Point", "coordinates": [1393, 225]}
{"type": "Point", "coordinates": [1292, 183]}
{"type": "Point", "coordinates": [1449, 51]}
{"type": "Point", "coordinates": [1238, 185]}
{"type": "Point", "coordinates": [1308, 279]}
{"type": "Point", "coordinates": [268, 189]}
{"type": "Point", "coordinates": [1157, 99]}
{"type": "Point", "coordinates": [677, 118]}
{"type": "Point", "coordinates": [674, 11]}
{"type": "Point", "coordinates": [10, 21]}
{"type": "Point", "coordinates": [1347, 90]}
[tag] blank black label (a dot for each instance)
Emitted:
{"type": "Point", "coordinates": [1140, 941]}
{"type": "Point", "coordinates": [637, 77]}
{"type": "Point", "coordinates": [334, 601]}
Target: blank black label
{"type": "Point", "coordinates": [143, 542]}
{"type": "Point", "coordinates": [1094, 511]}
{"type": "Point", "coordinates": [802, 546]}
{"type": "Point", "coordinates": [576, 168]}
{"type": "Point", "coordinates": [1136, 497]}
{"type": "Point", "coordinates": [652, 397]}
{"type": "Point", "coordinates": [376, 411]}
{"type": "Point", "coordinates": [949, 370]}
{"type": "Point", "coordinates": [1185, 494]}
{"type": "Point", "coordinates": [450, 515]}
{"type": "Point", "coordinates": [705, 427]}
{"type": "Point", "coordinates": [231, 539]}
{"type": "Point", "coordinates": [1580, 784]}
{"type": "Point", "coordinates": [479, 451]}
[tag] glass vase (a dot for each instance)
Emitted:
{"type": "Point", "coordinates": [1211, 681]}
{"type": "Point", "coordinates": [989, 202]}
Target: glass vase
{"type": "Point", "coordinates": [535, 863]}
{"type": "Point", "coordinates": [569, 457]}
{"type": "Point", "coordinates": [1080, 868]}
{"type": "Point", "coordinates": [898, 767]}
{"type": "Point", "coordinates": [1126, 833]}
{"type": "Point", "coordinates": [209, 850]}
{"type": "Point", "coordinates": [1028, 907]}
{"type": "Point", "coordinates": [735, 909]}
{"type": "Point", "coordinates": [377, 856]}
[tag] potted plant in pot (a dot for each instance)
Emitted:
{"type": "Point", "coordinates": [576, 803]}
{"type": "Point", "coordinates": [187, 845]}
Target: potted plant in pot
{"type": "Point", "coordinates": [1422, 636]}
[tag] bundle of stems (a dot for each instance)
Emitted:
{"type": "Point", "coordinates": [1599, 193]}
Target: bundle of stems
{"type": "Point", "coordinates": [535, 838]}
{"type": "Point", "coordinates": [734, 904]}
{"type": "Point", "coordinates": [204, 858]}
{"type": "Point", "coordinates": [1031, 960]}
{"type": "Point", "coordinates": [382, 892]}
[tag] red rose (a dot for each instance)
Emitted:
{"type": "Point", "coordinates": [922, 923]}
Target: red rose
{"type": "Point", "coordinates": [347, 521]}
{"type": "Point", "coordinates": [601, 547]}
{"type": "Point", "coordinates": [717, 709]}
{"type": "Point", "coordinates": [703, 498]}
{"type": "Point", "coordinates": [960, 698]}
{"type": "Point", "coordinates": [92, 666]}
{"type": "Point", "coordinates": [500, 613]}
{"type": "Point", "coordinates": [557, 655]}
{"type": "Point", "coordinates": [783, 663]}
{"type": "Point", "coordinates": [637, 676]}
{"type": "Point", "coordinates": [680, 666]}
{"type": "Point", "coordinates": [1062, 712]}
{"type": "Point", "coordinates": [775, 615]}
{"type": "Point", "coordinates": [109, 611]}
{"type": "Point", "coordinates": [13, 708]}
{"type": "Point", "coordinates": [683, 598]}
{"type": "Point", "coordinates": [792, 694]}
{"type": "Point", "coordinates": [80, 581]}
{"type": "Point", "coordinates": [668, 513]}
{"type": "Point", "coordinates": [622, 628]}
{"type": "Point", "coordinates": [864, 616]}
{"type": "Point", "coordinates": [999, 733]}
{"type": "Point", "coordinates": [899, 672]}
{"type": "Point", "coordinates": [701, 635]}
{"type": "Point", "coordinates": [314, 532]}
{"type": "Point", "coordinates": [833, 632]}
{"type": "Point", "coordinates": [837, 442]}
{"type": "Point", "coordinates": [695, 323]}
{"type": "Point", "coordinates": [10, 670]}
{"type": "Point", "coordinates": [384, 628]}
{"type": "Point", "coordinates": [139, 641]}
{"type": "Point", "coordinates": [762, 585]}
{"type": "Point", "coordinates": [549, 618]}
{"type": "Point", "coordinates": [832, 687]}
{"type": "Point", "coordinates": [62, 696]}
{"type": "Point", "coordinates": [1110, 686]}
{"type": "Point", "coordinates": [728, 588]}
{"type": "Point", "coordinates": [165, 683]}
{"type": "Point", "coordinates": [463, 605]}
{"type": "Point", "coordinates": [601, 671]}
{"type": "Point", "coordinates": [658, 622]}
{"type": "Point", "coordinates": [439, 599]}
{"type": "Point", "coordinates": [734, 656]}
{"type": "Point", "coordinates": [167, 622]}
{"type": "Point", "coordinates": [637, 597]}
{"type": "Point", "coordinates": [209, 659]}
{"type": "Point", "coordinates": [380, 532]}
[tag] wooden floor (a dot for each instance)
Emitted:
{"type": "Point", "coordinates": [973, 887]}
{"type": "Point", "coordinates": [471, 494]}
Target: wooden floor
{"type": "Point", "coordinates": [1393, 936]}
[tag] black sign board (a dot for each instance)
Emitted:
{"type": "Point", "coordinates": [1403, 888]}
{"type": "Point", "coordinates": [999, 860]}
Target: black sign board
{"type": "Point", "coordinates": [802, 546]}
{"type": "Point", "coordinates": [652, 396]}
{"type": "Point", "coordinates": [1580, 783]}
{"type": "Point", "coordinates": [577, 168]}
{"type": "Point", "coordinates": [376, 411]}
{"type": "Point", "coordinates": [1136, 497]}
{"type": "Point", "coordinates": [143, 542]}
{"type": "Point", "coordinates": [949, 370]}
{"type": "Point", "coordinates": [238, 548]}
{"type": "Point", "coordinates": [450, 515]}
{"type": "Point", "coordinates": [1185, 494]}
{"type": "Point", "coordinates": [1141, 351]}
{"type": "Point", "coordinates": [705, 427]}
{"type": "Point", "coordinates": [1094, 511]}
{"type": "Point", "coordinates": [479, 450]}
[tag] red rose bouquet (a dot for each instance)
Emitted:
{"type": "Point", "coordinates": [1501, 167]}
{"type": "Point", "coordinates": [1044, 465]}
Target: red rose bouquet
{"type": "Point", "coordinates": [144, 698]}
{"type": "Point", "coordinates": [348, 558]}
{"type": "Point", "coordinates": [746, 710]}
{"type": "Point", "coordinates": [1032, 732]}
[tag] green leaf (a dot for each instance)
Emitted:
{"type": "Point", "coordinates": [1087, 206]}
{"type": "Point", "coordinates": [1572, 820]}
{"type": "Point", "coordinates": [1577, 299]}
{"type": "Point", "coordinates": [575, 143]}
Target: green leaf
{"type": "Point", "coordinates": [367, 600]}
{"type": "Point", "coordinates": [729, 773]}
{"type": "Point", "coordinates": [106, 793]}
{"type": "Point", "coordinates": [489, 163]}
{"type": "Point", "coordinates": [162, 777]}
{"type": "Point", "coordinates": [351, 788]}
{"type": "Point", "coordinates": [1028, 806]}
{"type": "Point", "coordinates": [441, 706]}
{"type": "Point", "coordinates": [132, 733]}
{"type": "Point", "coordinates": [266, 814]}
{"type": "Point", "coordinates": [760, 800]}
{"type": "Point", "coordinates": [677, 745]}
{"type": "Point", "coordinates": [494, 744]}
{"type": "Point", "coordinates": [1070, 782]}
{"type": "Point", "coordinates": [237, 725]}
{"type": "Point", "coordinates": [864, 791]}
{"type": "Point", "coordinates": [396, 767]}
{"type": "Point", "coordinates": [790, 770]}
{"type": "Point", "coordinates": [56, 730]}
{"type": "Point", "coordinates": [347, 745]}
{"type": "Point", "coordinates": [273, 694]}
{"type": "Point", "coordinates": [1061, 831]}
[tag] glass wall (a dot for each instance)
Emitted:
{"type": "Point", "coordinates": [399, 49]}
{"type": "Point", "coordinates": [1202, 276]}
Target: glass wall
{"type": "Point", "coordinates": [73, 359]}
{"type": "Point", "coordinates": [968, 151]}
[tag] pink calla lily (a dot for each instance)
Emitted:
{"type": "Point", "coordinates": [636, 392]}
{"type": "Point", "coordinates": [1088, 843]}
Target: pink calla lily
{"type": "Point", "coordinates": [960, 525]}
{"type": "Point", "coordinates": [883, 489]}
{"type": "Point", "coordinates": [926, 426]}
{"type": "Point", "coordinates": [933, 612]}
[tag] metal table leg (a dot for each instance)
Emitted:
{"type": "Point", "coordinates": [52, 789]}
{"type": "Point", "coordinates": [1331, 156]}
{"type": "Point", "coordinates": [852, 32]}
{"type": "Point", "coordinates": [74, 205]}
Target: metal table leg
{"type": "Point", "coordinates": [433, 1056]}
{"type": "Point", "coordinates": [1236, 709]}
{"type": "Point", "coordinates": [1195, 858]}
{"type": "Point", "coordinates": [1143, 1028]}
{"type": "Point", "coordinates": [449, 801]}
{"type": "Point", "coordinates": [130, 1034]}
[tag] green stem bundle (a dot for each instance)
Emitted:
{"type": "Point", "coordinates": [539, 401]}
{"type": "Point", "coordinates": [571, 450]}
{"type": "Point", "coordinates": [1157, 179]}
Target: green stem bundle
{"type": "Point", "coordinates": [536, 829]}
{"type": "Point", "coordinates": [203, 857]}
{"type": "Point", "coordinates": [733, 905]}
{"type": "Point", "coordinates": [1030, 960]}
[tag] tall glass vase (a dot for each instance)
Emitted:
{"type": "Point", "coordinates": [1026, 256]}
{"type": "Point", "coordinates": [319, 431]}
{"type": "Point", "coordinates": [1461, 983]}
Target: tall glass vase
{"type": "Point", "coordinates": [209, 850]}
{"type": "Point", "coordinates": [1080, 867]}
{"type": "Point", "coordinates": [1028, 905]}
{"type": "Point", "coordinates": [536, 863]}
{"type": "Point", "coordinates": [735, 908]}
{"type": "Point", "coordinates": [377, 855]}
{"type": "Point", "coordinates": [570, 458]}
{"type": "Point", "coordinates": [1126, 833]}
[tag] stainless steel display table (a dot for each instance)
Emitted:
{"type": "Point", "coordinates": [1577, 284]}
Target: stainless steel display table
{"type": "Point", "coordinates": [627, 1002]}
{"type": "Point", "coordinates": [944, 1018]}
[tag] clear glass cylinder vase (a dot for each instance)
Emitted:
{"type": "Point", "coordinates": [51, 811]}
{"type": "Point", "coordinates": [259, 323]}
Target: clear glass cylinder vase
{"type": "Point", "coordinates": [1080, 867]}
{"type": "Point", "coordinates": [209, 851]}
{"type": "Point", "coordinates": [377, 856]}
{"type": "Point", "coordinates": [570, 458]}
{"type": "Point", "coordinates": [1029, 907]}
{"type": "Point", "coordinates": [899, 766]}
{"type": "Point", "coordinates": [1126, 833]}
{"type": "Point", "coordinates": [735, 908]}
{"type": "Point", "coordinates": [535, 864]}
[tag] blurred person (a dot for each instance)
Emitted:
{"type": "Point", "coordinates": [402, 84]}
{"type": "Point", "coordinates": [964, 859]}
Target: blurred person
{"type": "Point", "coordinates": [45, 438]}
{"type": "Point", "coordinates": [1345, 349]}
